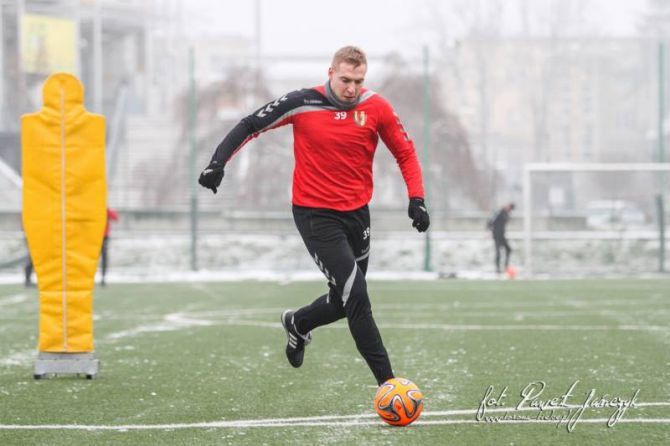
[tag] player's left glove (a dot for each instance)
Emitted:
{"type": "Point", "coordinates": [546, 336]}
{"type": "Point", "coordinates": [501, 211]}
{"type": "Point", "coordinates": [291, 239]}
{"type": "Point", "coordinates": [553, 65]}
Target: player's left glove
{"type": "Point", "coordinates": [419, 214]}
{"type": "Point", "coordinates": [212, 175]}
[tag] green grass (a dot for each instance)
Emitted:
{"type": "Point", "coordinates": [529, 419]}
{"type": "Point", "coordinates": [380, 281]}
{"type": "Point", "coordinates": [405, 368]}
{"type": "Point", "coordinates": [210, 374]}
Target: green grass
{"type": "Point", "coordinates": [207, 352]}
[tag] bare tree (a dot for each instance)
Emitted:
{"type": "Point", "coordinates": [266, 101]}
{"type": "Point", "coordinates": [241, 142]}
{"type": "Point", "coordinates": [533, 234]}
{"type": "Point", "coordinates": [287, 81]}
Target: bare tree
{"type": "Point", "coordinates": [453, 171]}
{"type": "Point", "coordinates": [259, 172]}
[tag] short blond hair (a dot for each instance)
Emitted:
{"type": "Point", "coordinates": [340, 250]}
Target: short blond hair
{"type": "Point", "coordinates": [349, 54]}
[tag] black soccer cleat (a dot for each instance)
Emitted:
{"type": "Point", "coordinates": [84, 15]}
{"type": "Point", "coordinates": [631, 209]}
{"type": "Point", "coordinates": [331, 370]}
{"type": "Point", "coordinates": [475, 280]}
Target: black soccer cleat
{"type": "Point", "coordinates": [295, 348]}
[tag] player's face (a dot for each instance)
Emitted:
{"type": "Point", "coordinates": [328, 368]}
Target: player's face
{"type": "Point", "coordinates": [346, 81]}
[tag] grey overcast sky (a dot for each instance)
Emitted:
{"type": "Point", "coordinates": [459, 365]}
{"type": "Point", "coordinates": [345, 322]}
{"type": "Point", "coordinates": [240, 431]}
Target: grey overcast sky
{"type": "Point", "coordinates": [380, 26]}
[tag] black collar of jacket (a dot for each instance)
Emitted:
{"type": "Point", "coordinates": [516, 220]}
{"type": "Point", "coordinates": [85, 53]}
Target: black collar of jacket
{"type": "Point", "coordinates": [342, 105]}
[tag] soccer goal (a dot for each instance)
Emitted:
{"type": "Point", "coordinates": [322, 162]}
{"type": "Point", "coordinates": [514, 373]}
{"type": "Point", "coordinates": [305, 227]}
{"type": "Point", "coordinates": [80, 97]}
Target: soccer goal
{"type": "Point", "coordinates": [595, 219]}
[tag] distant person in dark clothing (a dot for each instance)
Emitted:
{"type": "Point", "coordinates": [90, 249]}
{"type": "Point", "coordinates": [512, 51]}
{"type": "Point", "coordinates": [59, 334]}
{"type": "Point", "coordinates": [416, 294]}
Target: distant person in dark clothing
{"type": "Point", "coordinates": [28, 267]}
{"type": "Point", "coordinates": [496, 225]}
{"type": "Point", "coordinates": [28, 270]}
{"type": "Point", "coordinates": [114, 216]}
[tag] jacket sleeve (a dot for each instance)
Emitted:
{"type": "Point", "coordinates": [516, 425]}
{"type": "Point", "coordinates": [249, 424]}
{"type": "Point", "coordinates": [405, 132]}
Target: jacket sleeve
{"type": "Point", "coordinates": [270, 116]}
{"type": "Point", "coordinates": [396, 139]}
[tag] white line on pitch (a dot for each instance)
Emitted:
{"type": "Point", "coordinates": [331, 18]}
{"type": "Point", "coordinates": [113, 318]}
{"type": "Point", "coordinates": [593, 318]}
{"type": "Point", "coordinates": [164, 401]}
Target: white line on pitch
{"type": "Point", "coordinates": [554, 422]}
{"type": "Point", "coordinates": [170, 322]}
{"type": "Point", "coordinates": [515, 306]}
{"type": "Point", "coordinates": [180, 321]}
{"type": "Point", "coordinates": [529, 327]}
{"type": "Point", "coordinates": [472, 327]}
{"type": "Point", "coordinates": [13, 299]}
{"type": "Point", "coordinates": [243, 424]}
{"type": "Point", "coordinates": [532, 313]}
{"type": "Point", "coordinates": [366, 419]}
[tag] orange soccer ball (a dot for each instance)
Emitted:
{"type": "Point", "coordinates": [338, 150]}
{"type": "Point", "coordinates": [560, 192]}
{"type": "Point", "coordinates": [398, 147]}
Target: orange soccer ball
{"type": "Point", "coordinates": [398, 401]}
{"type": "Point", "coordinates": [511, 272]}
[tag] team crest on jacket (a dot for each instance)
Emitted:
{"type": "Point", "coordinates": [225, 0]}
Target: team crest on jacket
{"type": "Point", "coordinates": [360, 117]}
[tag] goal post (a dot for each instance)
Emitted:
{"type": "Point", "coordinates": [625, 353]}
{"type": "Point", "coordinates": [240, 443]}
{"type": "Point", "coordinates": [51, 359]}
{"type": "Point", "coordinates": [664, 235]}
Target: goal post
{"type": "Point", "coordinates": [531, 170]}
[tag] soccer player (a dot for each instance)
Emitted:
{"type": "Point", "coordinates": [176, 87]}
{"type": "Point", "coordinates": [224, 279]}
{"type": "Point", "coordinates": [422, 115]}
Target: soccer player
{"type": "Point", "coordinates": [336, 128]}
{"type": "Point", "coordinates": [496, 224]}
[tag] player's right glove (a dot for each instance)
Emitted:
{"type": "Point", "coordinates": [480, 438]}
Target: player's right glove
{"type": "Point", "coordinates": [212, 175]}
{"type": "Point", "coordinates": [419, 214]}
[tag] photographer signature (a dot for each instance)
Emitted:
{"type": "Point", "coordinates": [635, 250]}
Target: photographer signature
{"type": "Point", "coordinates": [532, 397]}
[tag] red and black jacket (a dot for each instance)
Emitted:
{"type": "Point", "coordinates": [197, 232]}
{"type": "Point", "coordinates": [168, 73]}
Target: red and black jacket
{"type": "Point", "coordinates": [333, 148]}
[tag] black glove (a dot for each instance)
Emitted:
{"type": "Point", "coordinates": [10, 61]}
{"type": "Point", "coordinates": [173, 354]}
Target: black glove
{"type": "Point", "coordinates": [419, 214]}
{"type": "Point", "coordinates": [212, 175]}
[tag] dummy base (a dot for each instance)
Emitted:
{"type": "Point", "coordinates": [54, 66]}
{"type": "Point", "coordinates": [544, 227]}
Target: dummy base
{"type": "Point", "coordinates": [60, 363]}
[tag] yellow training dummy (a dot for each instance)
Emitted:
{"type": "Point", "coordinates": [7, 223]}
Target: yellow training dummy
{"type": "Point", "coordinates": [64, 210]}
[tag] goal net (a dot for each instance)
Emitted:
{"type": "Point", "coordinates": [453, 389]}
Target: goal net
{"type": "Point", "coordinates": [595, 219]}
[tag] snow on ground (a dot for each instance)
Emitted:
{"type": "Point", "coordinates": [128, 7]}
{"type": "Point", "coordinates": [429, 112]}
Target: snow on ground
{"type": "Point", "coordinates": [399, 256]}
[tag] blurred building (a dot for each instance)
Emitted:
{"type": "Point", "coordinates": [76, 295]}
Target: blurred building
{"type": "Point", "coordinates": [553, 100]}
{"type": "Point", "coordinates": [504, 102]}
{"type": "Point", "coordinates": [107, 43]}
{"type": "Point", "coordinates": [129, 54]}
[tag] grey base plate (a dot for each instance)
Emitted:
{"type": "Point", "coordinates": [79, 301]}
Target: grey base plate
{"type": "Point", "coordinates": [60, 363]}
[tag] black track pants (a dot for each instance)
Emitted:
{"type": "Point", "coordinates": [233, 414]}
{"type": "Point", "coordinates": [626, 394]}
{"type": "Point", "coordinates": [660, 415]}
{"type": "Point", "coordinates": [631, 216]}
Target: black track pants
{"type": "Point", "coordinates": [500, 244]}
{"type": "Point", "coordinates": [339, 243]}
